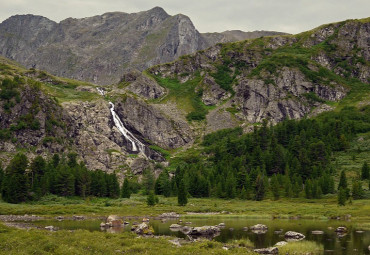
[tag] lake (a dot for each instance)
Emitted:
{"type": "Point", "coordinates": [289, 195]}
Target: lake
{"type": "Point", "coordinates": [354, 242]}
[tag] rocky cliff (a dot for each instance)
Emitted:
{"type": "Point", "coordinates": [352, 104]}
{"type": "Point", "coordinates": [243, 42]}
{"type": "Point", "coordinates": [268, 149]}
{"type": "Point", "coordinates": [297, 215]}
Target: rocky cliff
{"type": "Point", "coordinates": [99, 49]}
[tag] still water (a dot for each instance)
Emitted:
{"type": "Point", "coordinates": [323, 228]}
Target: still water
{"type": "Point", "coordinates": [354, 242]}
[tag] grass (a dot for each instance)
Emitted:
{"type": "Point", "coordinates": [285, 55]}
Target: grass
{"type": "Point", "coordinates": [65, 93]}
{"type": "Point", "coordinates": [302, 247]}
{"type": "Point", "coordinates": [136, 206]}
{"type": "Point", "coordinates": [185, 96]}
{"type": "Point", "coordinates": [13, 241]}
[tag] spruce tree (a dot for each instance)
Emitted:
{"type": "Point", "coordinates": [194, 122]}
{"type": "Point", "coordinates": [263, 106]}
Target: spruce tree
{"type": "Point", "coordinates": [365, 171]}
{"type": "Point", "coordinates": [342, 197]}
{"type": "Point", "coordinates": [343, 183]}
{"type": "Point", "coordinates": [1, 178]}
{"type": "Point", "coordinates": [357, 191]}
{"type": "Point", "coordinates": [15, 185]}
{"type": "Point", "coordinates": [182, 198]}
{"type": "Point", "coordinates": [243, 194]}
{"type": "Point", "coordinates": [148, 181]}
{"type": "Point", "coordinates": [151, 200]}
{"type": "Point", "coordinates": [126, 192]}
{"type": "Point", "coordinates": [275, 187]}
{"type": "Point", "coordinates": [259, 188]}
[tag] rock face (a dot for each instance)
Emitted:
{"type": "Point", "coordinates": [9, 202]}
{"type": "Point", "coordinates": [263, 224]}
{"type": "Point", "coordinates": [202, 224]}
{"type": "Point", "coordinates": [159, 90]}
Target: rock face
{"type": "Point", "coordinates": [259, 82]}
{"type": "Point", "coordinates": [97, 49]}
{"type": "Point", "coordinates": [152, 124]}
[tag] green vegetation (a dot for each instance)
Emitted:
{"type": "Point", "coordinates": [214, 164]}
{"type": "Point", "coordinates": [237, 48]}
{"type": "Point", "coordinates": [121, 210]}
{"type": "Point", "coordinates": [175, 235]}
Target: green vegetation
{"type": "Point", "coordinates": [304, 247]}
{"type": "Point", "coordinates": [57, 176]}
{"type": "Point", "coordinates": [185, 96]}
{"type": "Point", "coordinates": [14, 241]}
{"type": "Point", "coordinates": [223, 77]}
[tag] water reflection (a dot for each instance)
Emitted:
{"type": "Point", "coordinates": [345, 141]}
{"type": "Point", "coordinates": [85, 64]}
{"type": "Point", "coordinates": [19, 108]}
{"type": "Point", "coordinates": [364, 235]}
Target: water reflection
{"type": "Point", "coordinates": [351, 243]}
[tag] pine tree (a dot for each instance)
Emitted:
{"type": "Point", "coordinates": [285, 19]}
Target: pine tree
{"type": "Point", "coordinates": [148, 181]}
{"type": "Point", "coordinates": [260, 188]}
{"type": "Point", "coordinates": [308, 189]}
{"type": "Point", "coordinates": [357, 191]}
{"type": "Point", "coordinates": [1, 178]}
{"type": "Point", "coordinates": [275, 187]}
{"type": "Point", "coordinates": [15, 185]}
{"type": "Point", "coordinates": [343, 183]}
{"type": "Point", "coordinates": [243, 194]}
{"type": "Point", "coordinates": [365, 171]}
{"type": "Point", "coordinates": [342, 197]}
{"type": "Point", "coordinates": [126, 192]}
{"type": "Point", "coordinates": [151, 200]}
{"type": "Point", "coordinates": [64, 181]}
{"type": "Point", "coordinates": [182, 198]}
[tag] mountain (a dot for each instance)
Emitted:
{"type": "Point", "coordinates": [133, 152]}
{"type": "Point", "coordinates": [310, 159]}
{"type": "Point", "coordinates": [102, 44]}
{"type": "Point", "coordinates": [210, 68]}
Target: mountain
{"type": "Point", "coordinates": [236, 35]}
{"type": "Point", "coordinates": [150, 116]}
{"type": "Point", "coordinates": [99, 49]}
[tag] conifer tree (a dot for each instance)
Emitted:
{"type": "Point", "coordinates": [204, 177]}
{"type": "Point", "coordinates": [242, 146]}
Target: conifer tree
{"type": "Point", "coordinates": [243, 194]}
{"type": "Point", "coordinates": [182, 198]}
{"type": "Point", "coordinates": [342, 197]}
{"type": "Point", "coordinates": [343, 183]}
{"type": "Point", "coordinates": [15, 185]}
{"type": "Point", "coordinates": [260, 188]}
{"type": "Point", "coordinates": [357, 191]}
{"type": "Point", "coordinates": [365, 171]}
{"type": "Point", "coordinates": [151, 200]}
{"type": "Point", "coordinates": [1, 178]}
{"type": "Point", "coordinates": [126, 192]}
{"type": "Point", "coordinates": [148, 181]}
{"type": "Point", "coordinates": [275, 187]}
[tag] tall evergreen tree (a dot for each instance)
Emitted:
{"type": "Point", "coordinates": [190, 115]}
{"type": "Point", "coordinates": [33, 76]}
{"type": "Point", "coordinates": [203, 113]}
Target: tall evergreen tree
{"type": "Point", "coordinates": [275, 187]}
{"type": "Point", "coordinates": [343, 183]}
{"type": "Point", "coordinates": [342, 197]}
{"type": "Point", "coordinates": [148, 181]}
{"type": "Point", "coordinates": [182, 198]}
{"type": "Point", "coordinates": [64, 181]}
{"type": "Point", "coordinates": [15, 185]}
{"type": "Point", "coordinates": [357, 191]}
{"type": "Point", "coordinates": [126, 192]}
{"type": "Point", "coordinates": [260, 188]}
{"type": "Point", "coordinates": [151, 199]}
{"type": "Point", "coordinates": [365, 171]}
{"type": "Point", "coordinates": [1, 178]}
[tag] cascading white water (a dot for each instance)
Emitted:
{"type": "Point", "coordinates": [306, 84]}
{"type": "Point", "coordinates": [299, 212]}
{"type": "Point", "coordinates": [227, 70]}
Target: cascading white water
{"type": "Point", "coordinates": [136, 144]}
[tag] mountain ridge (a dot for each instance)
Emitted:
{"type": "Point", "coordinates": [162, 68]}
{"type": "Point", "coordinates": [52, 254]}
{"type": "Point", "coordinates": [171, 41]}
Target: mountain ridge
{"type": "Point", "coordinates": [101, 48]}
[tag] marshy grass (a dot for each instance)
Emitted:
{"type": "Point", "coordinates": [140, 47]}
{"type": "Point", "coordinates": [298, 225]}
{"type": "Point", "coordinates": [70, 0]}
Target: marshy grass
{"type": "Point", "coordinates": [302, 247]}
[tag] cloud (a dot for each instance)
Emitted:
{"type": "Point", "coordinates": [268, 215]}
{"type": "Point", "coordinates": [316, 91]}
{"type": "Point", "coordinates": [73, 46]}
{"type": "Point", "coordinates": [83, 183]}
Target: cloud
{"type": "Point", "coordinates": [291, 16]}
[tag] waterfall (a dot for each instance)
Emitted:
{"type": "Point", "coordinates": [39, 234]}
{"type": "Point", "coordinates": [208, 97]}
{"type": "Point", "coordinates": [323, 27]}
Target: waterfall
{"type": "Point", "coordinates": [137, 146]}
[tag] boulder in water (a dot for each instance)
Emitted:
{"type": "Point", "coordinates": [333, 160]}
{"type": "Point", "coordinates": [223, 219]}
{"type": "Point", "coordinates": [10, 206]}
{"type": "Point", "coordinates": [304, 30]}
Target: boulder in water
{"type": "Point", "coordinates": [114, 221]}
{"type": "Point", "coordinates": [294, 236]}
{"type": "Point", "coordinates": [341, 230]}
{"type": "Point", "coordinates": [270, 250]}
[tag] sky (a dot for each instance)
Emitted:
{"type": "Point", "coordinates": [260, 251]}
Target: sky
{"type": "Point", "coordinates": [291, 16]}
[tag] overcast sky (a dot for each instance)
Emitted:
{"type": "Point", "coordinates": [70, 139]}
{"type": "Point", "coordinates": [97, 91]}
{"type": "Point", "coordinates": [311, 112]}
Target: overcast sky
{"type": "Point", "coordinates": [290, 16]}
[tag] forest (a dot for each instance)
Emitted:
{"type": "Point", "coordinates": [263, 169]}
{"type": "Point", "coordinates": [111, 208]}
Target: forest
{"type": "Point", "coordinates": [290, 159]}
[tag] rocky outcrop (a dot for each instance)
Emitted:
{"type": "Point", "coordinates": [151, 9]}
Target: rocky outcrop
{"type": "Point", "coordinates": [143, 85]}
{"type": "Point", "coordinates": [152, 124]}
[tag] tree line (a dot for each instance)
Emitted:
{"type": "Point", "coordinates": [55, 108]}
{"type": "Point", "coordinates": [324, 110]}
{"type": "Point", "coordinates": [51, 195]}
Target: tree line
{"type": "Point", "coordinates": [64, 176]}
